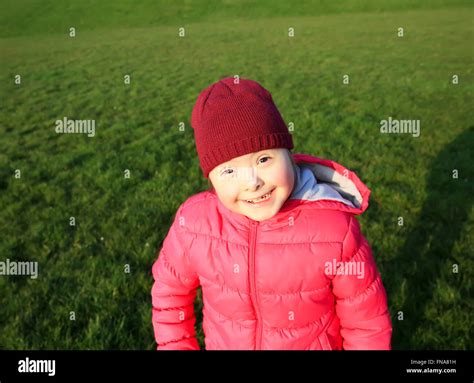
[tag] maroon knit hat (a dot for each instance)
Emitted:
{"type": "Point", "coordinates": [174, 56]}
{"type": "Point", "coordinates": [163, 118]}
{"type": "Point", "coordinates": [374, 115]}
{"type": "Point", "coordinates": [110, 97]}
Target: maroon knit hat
{"type": "Point", "coordinates": [232, 118]}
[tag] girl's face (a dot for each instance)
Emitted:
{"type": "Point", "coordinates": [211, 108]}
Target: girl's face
{"type": "Point", "coordinates": [256, 184]}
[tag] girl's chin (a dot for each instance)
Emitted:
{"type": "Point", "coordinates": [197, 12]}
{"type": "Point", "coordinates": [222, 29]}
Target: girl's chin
{"type": "Point", "coordinates": [259, 217]}
{"type": "Point", "coordinates": [260, 213]}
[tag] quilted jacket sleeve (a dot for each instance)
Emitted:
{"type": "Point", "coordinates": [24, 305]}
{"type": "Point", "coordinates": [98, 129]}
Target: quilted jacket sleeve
{"type": "Point", "coordinates": [361, 301]}
{"type": "Point", "coordinates": [173, 293]}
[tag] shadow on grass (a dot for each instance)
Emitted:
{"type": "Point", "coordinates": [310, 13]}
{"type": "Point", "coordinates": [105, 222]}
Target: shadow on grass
{"type": "Point", "coordinates": [426, 254]}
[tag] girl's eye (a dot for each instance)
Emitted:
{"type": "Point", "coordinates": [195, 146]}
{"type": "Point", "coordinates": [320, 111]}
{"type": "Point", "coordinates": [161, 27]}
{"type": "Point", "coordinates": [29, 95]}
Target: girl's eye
{"type": "Point", "coordinates": [227, 171]}
{"type": "Point", "coordinates": [263, 158]}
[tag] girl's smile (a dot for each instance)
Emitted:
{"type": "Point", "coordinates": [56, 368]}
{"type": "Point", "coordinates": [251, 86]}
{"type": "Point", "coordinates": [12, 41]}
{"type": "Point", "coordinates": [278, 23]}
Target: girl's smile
{"type": "Point", "coordinates": [264, 199]}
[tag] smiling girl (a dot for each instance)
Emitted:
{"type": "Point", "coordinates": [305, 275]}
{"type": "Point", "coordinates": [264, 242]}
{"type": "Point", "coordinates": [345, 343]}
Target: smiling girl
{"type": "Point", "coordinates": [261, 241]}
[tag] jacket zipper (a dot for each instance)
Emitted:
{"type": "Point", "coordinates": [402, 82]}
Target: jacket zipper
{"type": "Point", "coordinates": [253, 285]}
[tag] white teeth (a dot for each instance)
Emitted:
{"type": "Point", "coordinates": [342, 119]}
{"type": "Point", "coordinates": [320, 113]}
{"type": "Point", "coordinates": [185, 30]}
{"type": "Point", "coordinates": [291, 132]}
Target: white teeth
{"type": "Point", "coordinates": [262, 198]}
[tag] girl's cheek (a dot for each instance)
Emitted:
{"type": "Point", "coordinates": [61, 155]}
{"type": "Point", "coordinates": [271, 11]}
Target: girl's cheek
{"type": "Point", "coordinates": [282, 177]}
{"type": "Point", "coordinates": [230, 192]}
{"type": "Point", "coordinates": [235, 194]}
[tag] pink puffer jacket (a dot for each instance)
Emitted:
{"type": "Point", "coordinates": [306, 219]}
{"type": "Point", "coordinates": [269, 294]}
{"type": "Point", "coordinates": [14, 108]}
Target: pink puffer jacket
{"type": "Point", "coordinates": [303, 280]}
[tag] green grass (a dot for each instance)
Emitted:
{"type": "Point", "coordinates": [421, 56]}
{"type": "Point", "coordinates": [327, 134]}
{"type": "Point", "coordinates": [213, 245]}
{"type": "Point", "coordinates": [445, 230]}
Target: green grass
{"type": "Point", "coordinates": [137, 129]}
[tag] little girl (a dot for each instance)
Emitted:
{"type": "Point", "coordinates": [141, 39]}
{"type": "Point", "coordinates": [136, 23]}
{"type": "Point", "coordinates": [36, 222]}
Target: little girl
{"type": "Point", "coordinates": [274, 243]}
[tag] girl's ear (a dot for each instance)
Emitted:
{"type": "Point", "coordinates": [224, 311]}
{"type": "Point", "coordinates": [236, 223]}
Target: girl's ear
{"type": "Point", "coordinates": [209, 184]}
{"type": "Point", "coordinates": [291, 157]}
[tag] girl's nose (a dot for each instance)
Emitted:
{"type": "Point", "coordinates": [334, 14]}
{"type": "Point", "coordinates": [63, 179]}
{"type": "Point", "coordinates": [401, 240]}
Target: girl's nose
{"type": "Point", "coordinates": [253, 183]}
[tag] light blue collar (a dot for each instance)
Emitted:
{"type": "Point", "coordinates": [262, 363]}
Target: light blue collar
{"type": "Point", "coordinates": [308, 188]}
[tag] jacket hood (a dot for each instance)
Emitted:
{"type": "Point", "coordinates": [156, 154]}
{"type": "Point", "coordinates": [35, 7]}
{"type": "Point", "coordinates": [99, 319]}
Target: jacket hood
{"type": "Point", "coordinates": [317, 179]}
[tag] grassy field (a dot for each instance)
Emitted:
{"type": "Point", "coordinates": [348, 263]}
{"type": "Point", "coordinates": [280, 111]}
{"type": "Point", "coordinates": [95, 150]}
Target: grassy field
{"type": "Point", "coordinates": [122, 221]}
